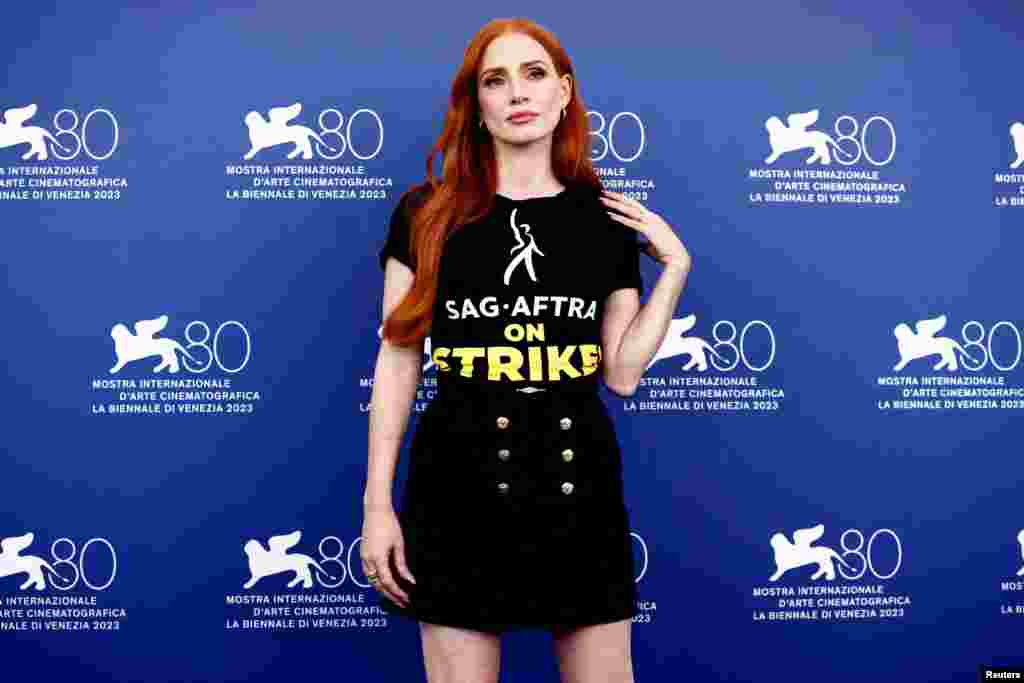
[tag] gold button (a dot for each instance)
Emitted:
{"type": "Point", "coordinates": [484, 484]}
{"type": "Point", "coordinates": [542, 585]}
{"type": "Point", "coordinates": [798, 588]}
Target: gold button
{"type": "Point", "coordinates": [503, 453]}
{"type": "Point", "coordinates": [502, 422]}
{"type": "Point", "coordinates": [565, 423]}
{"type": "Point", "coordinates": [567, 487]}
{"type": "Point", "coordinates": [503, 487]}
{"type": "Point", "coordinates": [567, 454]}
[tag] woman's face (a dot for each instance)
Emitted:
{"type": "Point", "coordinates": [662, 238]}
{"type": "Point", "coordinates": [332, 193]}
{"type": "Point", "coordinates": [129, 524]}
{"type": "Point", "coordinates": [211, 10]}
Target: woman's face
{"type": "Point", "coordinates": [521, 94]}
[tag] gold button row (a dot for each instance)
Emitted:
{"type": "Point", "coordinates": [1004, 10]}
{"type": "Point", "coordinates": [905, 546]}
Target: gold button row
{"type": "Point", "coordinates": [504, 453]}
{"type": "Point", "coordinates": [503, 422]}
{"type": "Point", "coordinates": [567, 487]}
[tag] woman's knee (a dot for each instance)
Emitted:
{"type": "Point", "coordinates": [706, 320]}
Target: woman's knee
{"type": "Point", "coordinates": [598, 652]}
{"type": "Point", "coordinates": [459, 655]}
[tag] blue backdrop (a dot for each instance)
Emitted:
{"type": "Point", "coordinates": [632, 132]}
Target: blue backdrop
{"type": "Point", "coordinates": [777, 404]}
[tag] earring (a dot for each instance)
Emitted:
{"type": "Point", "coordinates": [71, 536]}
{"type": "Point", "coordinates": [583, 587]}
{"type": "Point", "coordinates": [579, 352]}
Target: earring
{"type": "Point", "coordinates": [562, 118]}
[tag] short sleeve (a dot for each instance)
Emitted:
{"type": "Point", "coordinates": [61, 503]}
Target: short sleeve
{"type": "Point", "coordinates": [397, 243]}
{"type": "Point", "coordinates": [625, 259]}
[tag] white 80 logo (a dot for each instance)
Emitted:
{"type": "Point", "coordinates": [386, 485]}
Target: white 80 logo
{"type": "Point", "coordinates": [345, 138]}
{"type": "Point", "coordinates": [865, 558]}
{"type": "Point", "coordinates": [985, 349]}
{"type": "Point", "coordinates": [607, 138]}
{"type": "Point", "coordinates": [81, 137]}
{"type": "Point", "coordinates": [861, 144]}
{"type": "Point", "coordinates": [643, 556]}
{"type": "Point", "coordinates": [345, 565]}
{"type": "Point", "coordinates": [66, 559]}
{"type": "Point", "coordinates": [740, 351]}
{"type": "Point", "coordinates": [212, 351]}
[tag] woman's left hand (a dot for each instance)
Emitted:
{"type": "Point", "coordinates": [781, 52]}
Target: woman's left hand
{"type": "Point", "coordinates": [663, 245]}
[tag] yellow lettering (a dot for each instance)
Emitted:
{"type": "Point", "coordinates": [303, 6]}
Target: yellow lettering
{"type": "Point", "coordinates": [591, 354]}
{"type": "Point", "coordinates": [467, 354]}
{"type": "Point", "coordinates": [558, 362]}
{"type": "Point", "coordinates": [504, 360]}
{"type": "Point", "coordinates": [536, 355]}
{"type": "Point", "coordinates": [530, 332]}
{"type": "Point", "coordinates": [439, 353]}
{"type": "Point", "coordinates": [509, 362]}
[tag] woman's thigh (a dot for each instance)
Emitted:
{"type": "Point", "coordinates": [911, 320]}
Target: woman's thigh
{"type": "Point", "coordinates": [600, 653]}
{"type": "Point", "coordinates": [457, 655]}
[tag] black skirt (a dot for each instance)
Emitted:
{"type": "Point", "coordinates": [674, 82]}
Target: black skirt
{"type": "Point", "coordinates": [513, 514]}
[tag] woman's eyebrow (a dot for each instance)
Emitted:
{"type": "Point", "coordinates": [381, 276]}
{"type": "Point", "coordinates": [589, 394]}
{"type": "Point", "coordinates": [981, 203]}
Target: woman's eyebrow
{"type": "Point", "coordinates": [501, 68]}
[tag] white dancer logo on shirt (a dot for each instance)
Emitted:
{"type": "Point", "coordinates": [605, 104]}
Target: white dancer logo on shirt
{"type": "Point", "coordinates": [525, 249]}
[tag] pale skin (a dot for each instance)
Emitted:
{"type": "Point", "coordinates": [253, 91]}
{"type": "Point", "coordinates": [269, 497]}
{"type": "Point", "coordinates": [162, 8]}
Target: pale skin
{"type": "Point", "coordinates": [516, 74]}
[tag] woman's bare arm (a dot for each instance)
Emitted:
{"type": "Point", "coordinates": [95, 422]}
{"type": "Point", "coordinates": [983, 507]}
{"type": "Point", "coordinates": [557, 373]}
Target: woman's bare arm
{"type": "Point", "coordinates": [632, 334]}
{"type": "Point", "coordinates": [395, 379]}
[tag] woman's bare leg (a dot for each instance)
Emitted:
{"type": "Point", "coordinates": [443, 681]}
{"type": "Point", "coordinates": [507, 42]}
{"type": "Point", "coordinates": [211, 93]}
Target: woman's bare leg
{"type": "Point", "coordinates": [457, 655]}
{"type": "Point", "coordinates": [595, 654]}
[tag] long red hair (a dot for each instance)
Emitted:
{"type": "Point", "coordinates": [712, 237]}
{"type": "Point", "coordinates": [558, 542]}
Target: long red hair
{"type": "Point", "coordinates": [469, 180]}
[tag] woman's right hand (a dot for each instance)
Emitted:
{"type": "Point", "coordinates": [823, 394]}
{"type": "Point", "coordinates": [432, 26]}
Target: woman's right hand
{"type": "Point", "coordinates": [382, 535]}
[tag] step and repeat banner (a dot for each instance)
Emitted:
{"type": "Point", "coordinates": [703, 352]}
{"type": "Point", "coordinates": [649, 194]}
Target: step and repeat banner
{"type": "Point", "coordinates": [821, 462]}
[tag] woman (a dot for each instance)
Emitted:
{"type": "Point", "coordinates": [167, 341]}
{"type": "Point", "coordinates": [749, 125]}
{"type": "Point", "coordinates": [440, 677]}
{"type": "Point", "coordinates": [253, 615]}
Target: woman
{"type": "Point", "coordinates": [526, 277]}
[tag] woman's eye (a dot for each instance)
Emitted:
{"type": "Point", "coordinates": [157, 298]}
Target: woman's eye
{"type": "Point", "coordinates": [537, 73]}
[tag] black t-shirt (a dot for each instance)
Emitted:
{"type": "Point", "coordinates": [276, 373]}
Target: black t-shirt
{"type": "Point", "coordinates": [521, 291]}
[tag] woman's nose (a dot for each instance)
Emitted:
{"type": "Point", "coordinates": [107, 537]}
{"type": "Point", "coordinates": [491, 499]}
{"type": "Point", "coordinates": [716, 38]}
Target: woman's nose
{"type": "Point", "coordinates": [516, 89]}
